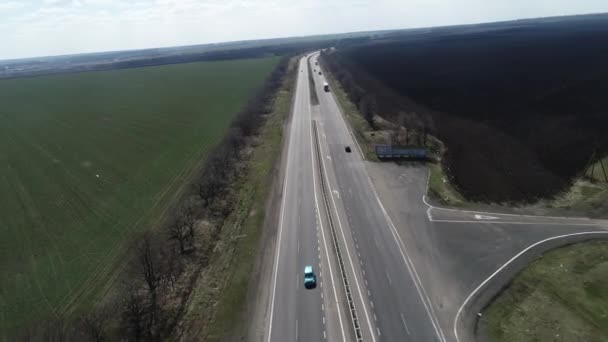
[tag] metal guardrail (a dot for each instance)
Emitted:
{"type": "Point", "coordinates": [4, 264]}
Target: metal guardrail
{"type": "Point", "coordinates": [349, 296]}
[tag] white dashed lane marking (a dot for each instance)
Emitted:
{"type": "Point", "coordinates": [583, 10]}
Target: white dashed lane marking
{"type": "Point", "coordinates": [388, 277]}
{"type": "Point", "coordinates": [404, 324]}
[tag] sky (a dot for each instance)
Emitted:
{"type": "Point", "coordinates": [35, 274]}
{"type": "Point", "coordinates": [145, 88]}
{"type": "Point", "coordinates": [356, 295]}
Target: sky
{"type": "Point", "coordinates": [30, 28]}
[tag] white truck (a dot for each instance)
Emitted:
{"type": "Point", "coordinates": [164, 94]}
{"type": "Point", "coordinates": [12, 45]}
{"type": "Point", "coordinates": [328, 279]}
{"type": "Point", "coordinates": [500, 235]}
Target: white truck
{"type": "Point", "coordinates": [325, 86]}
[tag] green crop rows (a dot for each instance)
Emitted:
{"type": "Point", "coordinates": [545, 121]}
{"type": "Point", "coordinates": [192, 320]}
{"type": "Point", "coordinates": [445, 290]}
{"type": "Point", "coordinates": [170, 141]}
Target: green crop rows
{"type": "Point", "coordinates": [87, 159]}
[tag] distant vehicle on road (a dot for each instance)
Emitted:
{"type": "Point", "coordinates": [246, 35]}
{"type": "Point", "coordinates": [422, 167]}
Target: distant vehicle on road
{"type": "Point", "coordinates": [347, 149]}
{"type": "Point", "coordinates": [310, 279]}
{"type": "Point", "coordinates": [326, 86]}
{"type": "Point", "coordinates": [320, 73]}
{"type": "Point", "coordinates": [398, 152]}
{"type": "Point", "coordinates": [316, 63]}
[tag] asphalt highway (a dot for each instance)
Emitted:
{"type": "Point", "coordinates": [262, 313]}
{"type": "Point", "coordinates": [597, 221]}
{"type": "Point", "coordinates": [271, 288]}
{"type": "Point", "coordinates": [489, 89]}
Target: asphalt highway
{"type": "Point", "coordinates": [296, 313]}
{"type": "Point", "coordinates": [304, 238]}
{"type": "Point", "coordinates": [391, 266]}
{"type": "Point", "coordinates": [467, 256]}
{"type": "Point", "coordinates": [397, 300]}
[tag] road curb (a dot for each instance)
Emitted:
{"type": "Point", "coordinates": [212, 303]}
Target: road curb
{"type": "Point", "coordinates": [466, 321]}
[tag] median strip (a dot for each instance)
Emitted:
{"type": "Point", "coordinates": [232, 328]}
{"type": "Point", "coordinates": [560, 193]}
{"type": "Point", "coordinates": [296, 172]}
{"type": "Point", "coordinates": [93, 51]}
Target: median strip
{"type": "Point", "coordinates": [349, 297]}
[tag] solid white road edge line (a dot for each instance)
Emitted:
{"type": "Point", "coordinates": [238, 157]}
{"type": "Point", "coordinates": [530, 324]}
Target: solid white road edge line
{"type": "Point", "coordinates": [407, 330]}
{"type": "Point", "coordinates": [426, 301]}
{"type": "Point", "coordinates": [278, 248]}
{"type": "Point", "coordinates": [503, 214]}
{"type": "Point", "coordinates": [525, 223]}
{"type": "Point", "coordinates": [466, 301]}
{"type": "Point", "coordinates": [357, 143]}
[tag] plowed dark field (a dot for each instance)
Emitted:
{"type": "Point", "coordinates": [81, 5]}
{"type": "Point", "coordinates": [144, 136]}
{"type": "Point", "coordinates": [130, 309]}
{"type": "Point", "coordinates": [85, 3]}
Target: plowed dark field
{"type": "Point", "coordinates": [521, 105]}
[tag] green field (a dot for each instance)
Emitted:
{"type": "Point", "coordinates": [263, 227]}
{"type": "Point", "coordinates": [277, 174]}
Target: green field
{"type": "Point", "coordinates": [561, 297]}
{"type": "Point", "coordinates": [87, 159]}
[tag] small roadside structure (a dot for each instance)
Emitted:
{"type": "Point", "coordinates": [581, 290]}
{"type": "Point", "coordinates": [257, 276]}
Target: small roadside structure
{"type": "Point", "coordinates": [385, 152]}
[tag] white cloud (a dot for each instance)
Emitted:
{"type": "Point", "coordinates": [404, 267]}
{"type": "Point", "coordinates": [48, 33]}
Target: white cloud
{"type": "Point", "coordinates": [73, 26]}
{"type": "Point", "coordinates": [54, 2]}
{"type": "Point", "coordinates": [11, 5]}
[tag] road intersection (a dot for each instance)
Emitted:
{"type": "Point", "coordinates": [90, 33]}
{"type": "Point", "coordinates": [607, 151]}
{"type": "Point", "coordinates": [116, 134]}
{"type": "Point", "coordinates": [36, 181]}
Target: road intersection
{"type": "Point", "coordinates": [392, 265]}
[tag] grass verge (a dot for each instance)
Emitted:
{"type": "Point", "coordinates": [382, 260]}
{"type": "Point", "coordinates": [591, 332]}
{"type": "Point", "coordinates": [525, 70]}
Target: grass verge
{"type": "Point", "coordinates": [441, 189]}
{"type": "Point", "coordinates": [584, 197]}
{"type": "Point", "coordinates": [562, 296]}
{"type": "Point", "coordinates": [598, 171]}
{"type": "Point", "coordinates": [220, 296]}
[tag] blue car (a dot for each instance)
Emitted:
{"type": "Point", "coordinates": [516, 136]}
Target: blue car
{"type": "Point", "coordinates": [310, 280]}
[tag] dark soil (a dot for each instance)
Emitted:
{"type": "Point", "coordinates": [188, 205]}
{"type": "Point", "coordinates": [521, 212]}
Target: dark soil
{"type": "Point", "coordinates": [520, 105]}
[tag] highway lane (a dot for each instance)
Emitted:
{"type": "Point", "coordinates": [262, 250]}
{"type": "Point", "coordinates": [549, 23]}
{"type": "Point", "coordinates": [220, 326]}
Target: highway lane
{"type": "Point", "coordinates": [356, 310]}
{"type": "Point", "coordinates": [296, 313]}
{"type": "Point", "coordinates": [397, 299]}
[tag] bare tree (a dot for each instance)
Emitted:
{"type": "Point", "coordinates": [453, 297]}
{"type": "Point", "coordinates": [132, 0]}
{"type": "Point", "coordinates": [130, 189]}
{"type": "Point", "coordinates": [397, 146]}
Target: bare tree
{"type": "Point", "coordinates": [424, 133]}
{"type": "Point", "coordinates": [134, 315]}
{"type": "Point", "coordinates": [172, 265]}
{"type": "Point", "coordinates": [150, 274]}
{"type": "Point", "coordinates": [356, 94]}
{"type": "Point", "coordinates": [53, 329]}
{"type": "Point", "coordinates": [235, 141]}
{"type": "Point", "coordinates": [179, 232]}
{"type": "Point", "coordinates": [94, 324]}
{"type": "Point", "coordinates": [367, 106]}
{"type": "Point", "coordinates": [147, 261]}
{"type": "Point", "coordinates": [221, 165]}
{"type": "Point", "coordinates": [189, 219]}
{"type": "Point", "coordinates": [348, 83]}
{"type": "Point", "coordinates": [208, 188]}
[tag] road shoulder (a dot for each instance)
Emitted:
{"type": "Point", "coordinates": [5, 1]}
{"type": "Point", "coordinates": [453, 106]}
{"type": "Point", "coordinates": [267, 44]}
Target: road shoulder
{"type": "Point", "coordinates": [255, 316]}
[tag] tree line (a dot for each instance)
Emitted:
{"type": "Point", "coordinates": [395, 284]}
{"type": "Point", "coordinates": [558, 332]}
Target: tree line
{"type": "Point", "coordinates": [365, 101]}
{"type": "Point", "coordinates": [409, 128]}
{"type": "Point", "coordinates": [491, 152]}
